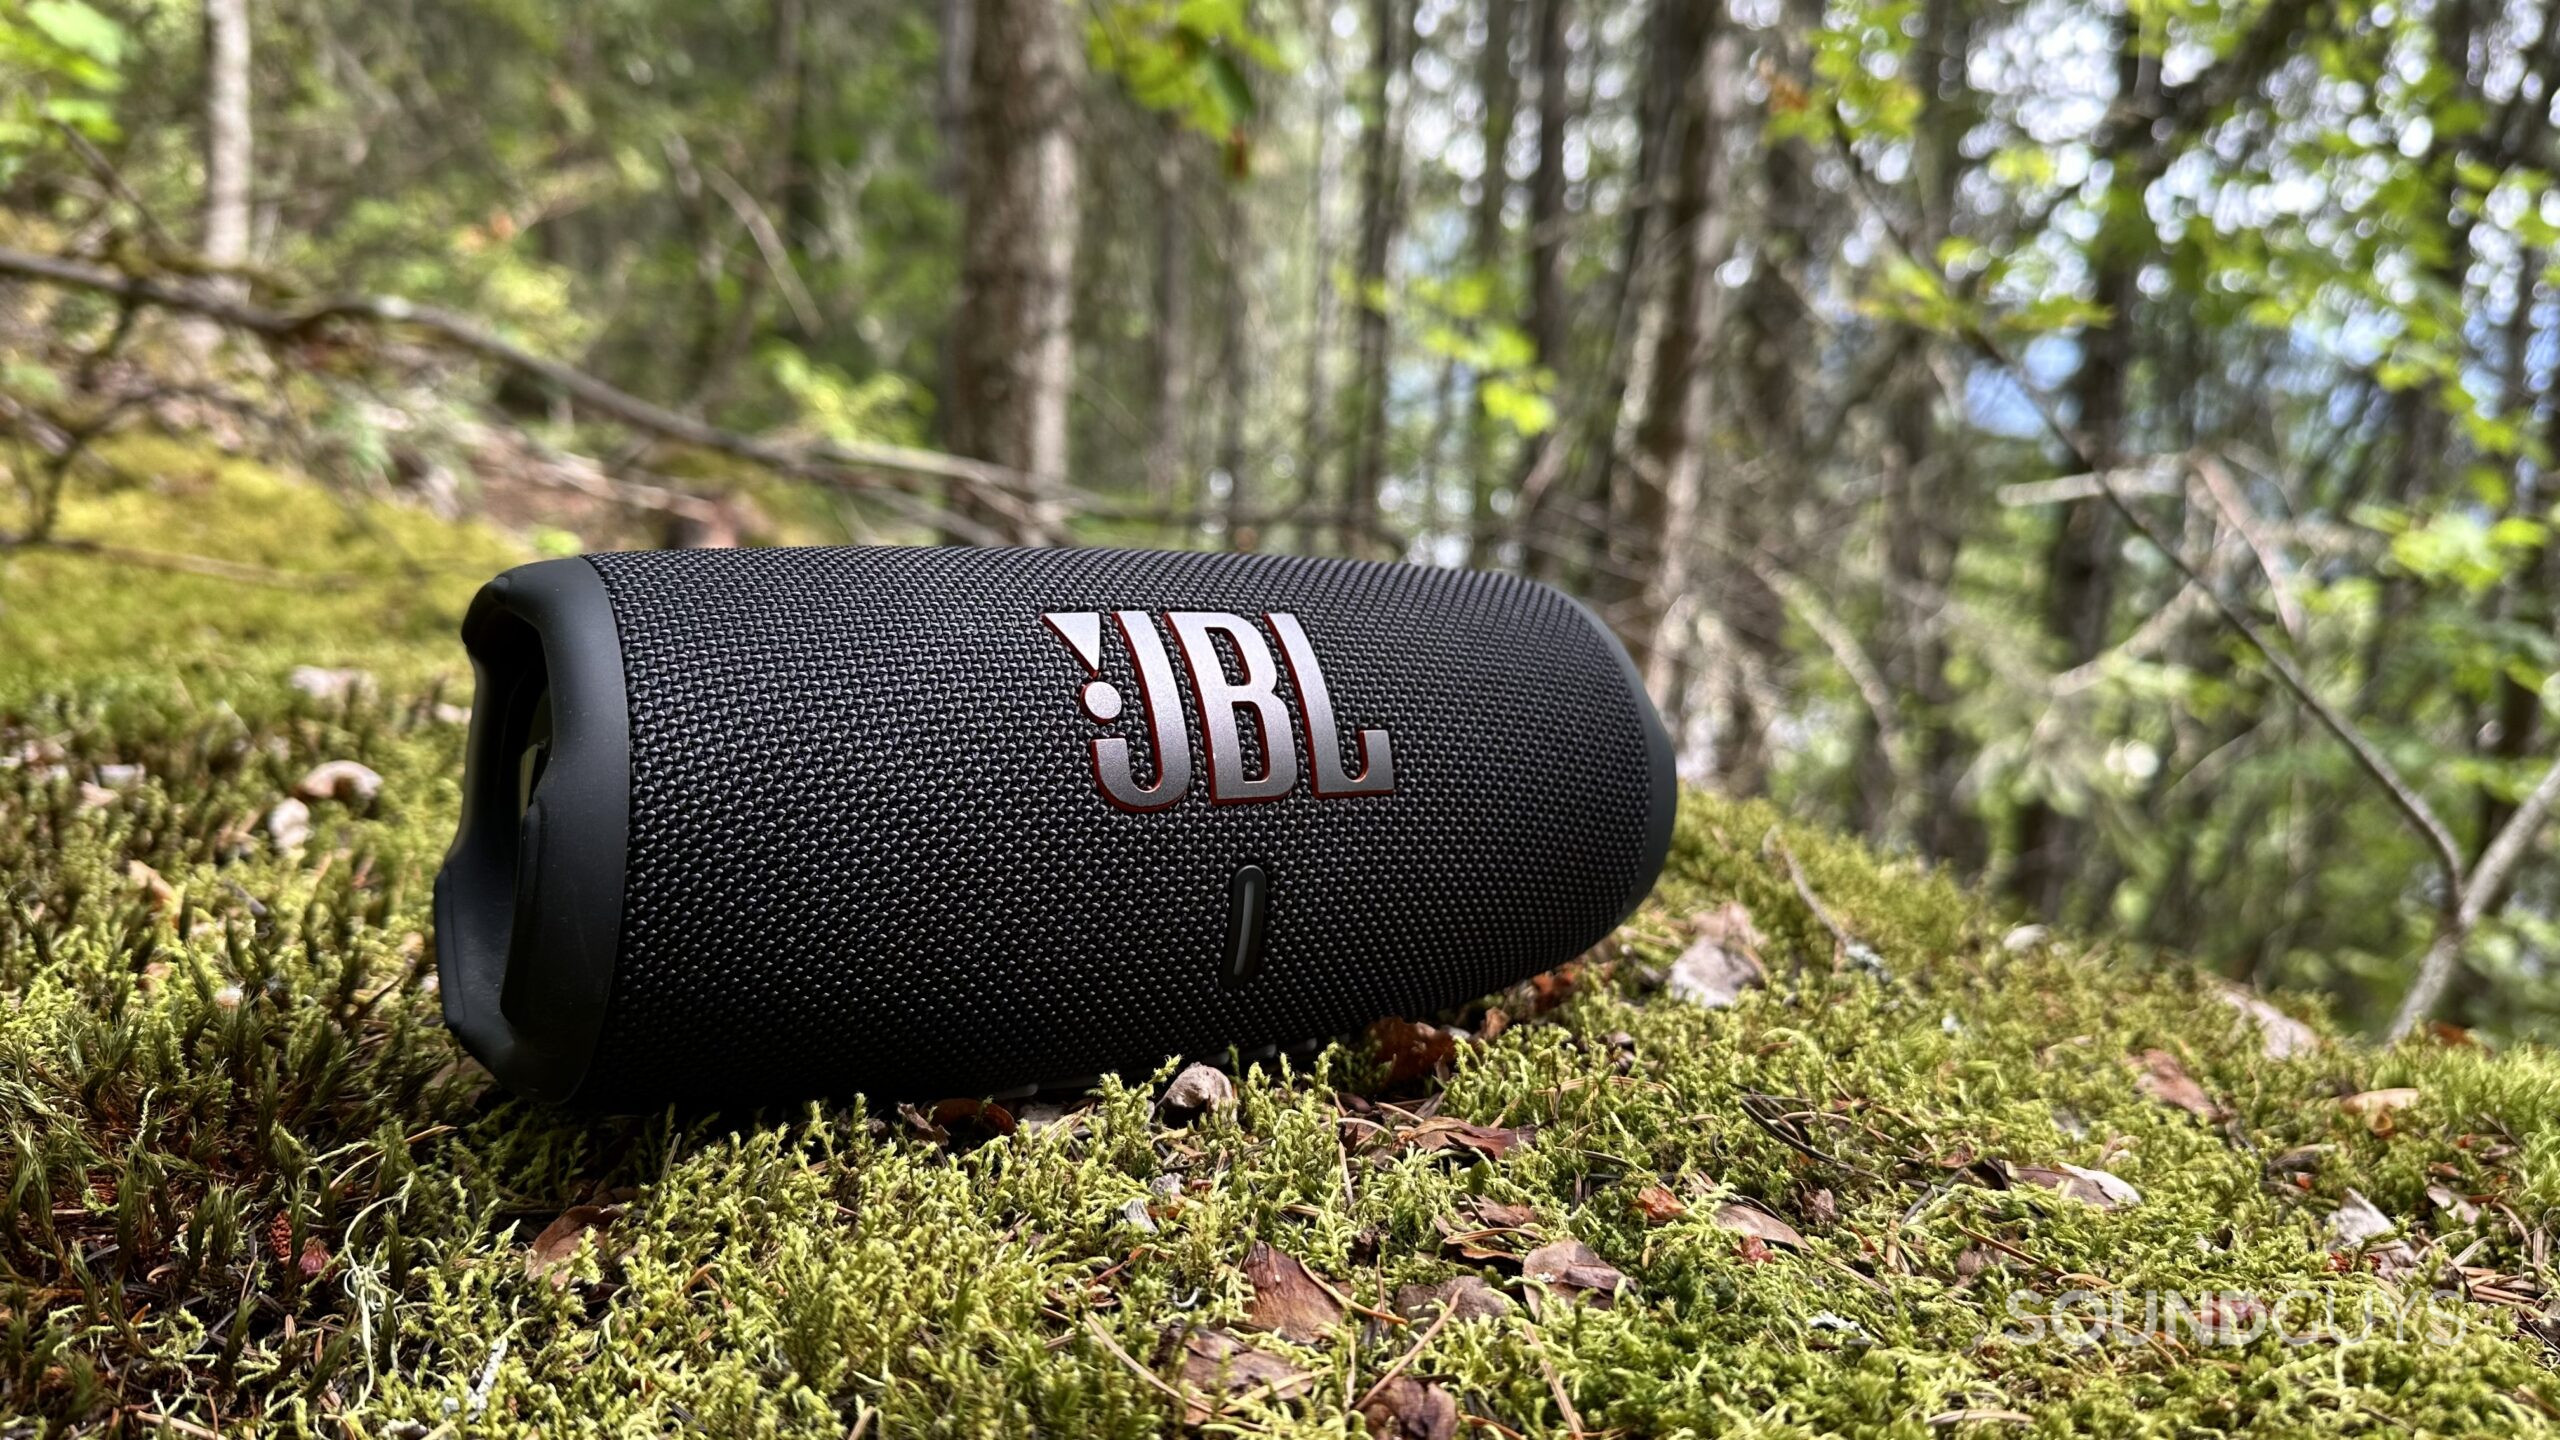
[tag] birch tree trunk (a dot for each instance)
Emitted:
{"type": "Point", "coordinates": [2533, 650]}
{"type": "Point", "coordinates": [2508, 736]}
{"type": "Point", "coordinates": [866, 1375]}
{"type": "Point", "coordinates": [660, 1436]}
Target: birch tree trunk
{"type": "Point", "coordinates": [228, 153]}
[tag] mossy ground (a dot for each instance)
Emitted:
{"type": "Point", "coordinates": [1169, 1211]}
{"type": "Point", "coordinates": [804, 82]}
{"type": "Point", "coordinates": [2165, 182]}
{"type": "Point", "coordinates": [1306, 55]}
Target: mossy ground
{"type": "Point", "coordinates": [250, 1187]}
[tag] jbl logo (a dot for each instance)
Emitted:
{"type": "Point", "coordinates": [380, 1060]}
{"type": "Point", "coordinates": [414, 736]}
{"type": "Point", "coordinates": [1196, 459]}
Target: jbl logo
{"type": "Point", "coordinates": [1226, 703]}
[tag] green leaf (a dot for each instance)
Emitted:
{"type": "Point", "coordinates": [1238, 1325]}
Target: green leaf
{"type": "Point", "coordinates": [76, 27]}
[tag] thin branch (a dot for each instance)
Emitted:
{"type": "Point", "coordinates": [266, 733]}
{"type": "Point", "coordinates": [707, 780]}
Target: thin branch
{"type": "Point", "coordinates": [2486, 891]}
{"type": "Point", "coordinates": [828, 460]}
{"type": "Point", "coordinates": [2404, 797]}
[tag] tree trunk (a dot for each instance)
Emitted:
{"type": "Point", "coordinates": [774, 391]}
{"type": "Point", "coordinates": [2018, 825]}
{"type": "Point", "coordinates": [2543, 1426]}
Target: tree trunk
{"type": "Point", "coordinates": [1315, 427]}
{"type": "Point", "coordinates": [1381, 183]}
{"type": "Point", "coordinates": [1013, 351]}
{"type": "Point", "coordinates": [1667, 487]}
{"type": "Point", "coordinates": [1534, 492]}
{"type": "Point", "coordinates": [1501, 94]}
{"type": "Point", "coordinates": [2080, 558]}
{"type": "Point", "coordinates": [1923, 506]}
{"type": "Point", "coordinates": [1169, 351]}
{"type": "Point", "coordinates": [228, 141]}
{"type": "Point", "coordinates": [1235, 362]}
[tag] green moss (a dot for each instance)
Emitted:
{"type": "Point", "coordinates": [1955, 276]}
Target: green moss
{"type": "Point", "coordinates": [204, 1096]}
{"type": "Point", "coordinates": [342, 581]}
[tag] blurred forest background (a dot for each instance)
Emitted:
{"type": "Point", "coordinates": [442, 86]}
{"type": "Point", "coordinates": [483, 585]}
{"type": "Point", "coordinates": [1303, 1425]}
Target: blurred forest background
{"type": "Point", "coordinates": [2105, 449]}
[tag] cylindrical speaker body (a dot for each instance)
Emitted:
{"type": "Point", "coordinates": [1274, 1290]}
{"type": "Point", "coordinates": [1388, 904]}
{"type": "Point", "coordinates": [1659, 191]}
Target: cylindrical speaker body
{"type": "Point", "coordinates": [763, 824]}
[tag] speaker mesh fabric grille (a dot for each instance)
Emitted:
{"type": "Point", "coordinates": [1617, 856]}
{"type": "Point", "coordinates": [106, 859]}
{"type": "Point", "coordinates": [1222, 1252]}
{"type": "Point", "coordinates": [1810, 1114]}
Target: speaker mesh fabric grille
{"type": "Point", "coordinates": [866, 848]}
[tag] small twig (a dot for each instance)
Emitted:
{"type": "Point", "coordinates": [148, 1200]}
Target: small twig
{"type": "Point", "coordinates": [1448, 1312]}
{"type": "Point", "coordinates": [1841, 944]}
{"type": "Point", "coordinates": [204, 565]}
{"type": "Point", "coordinates": [1093, 1325]}
{"type": "Point", "coordinates": [109, 176]}
{"type": "Point", "coordinates": [1555, 1385]}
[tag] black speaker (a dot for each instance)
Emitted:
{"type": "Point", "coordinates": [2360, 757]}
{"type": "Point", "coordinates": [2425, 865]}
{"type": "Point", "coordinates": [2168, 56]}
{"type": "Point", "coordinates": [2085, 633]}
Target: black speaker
{"type": "Point", "coordinates": [750, 825]}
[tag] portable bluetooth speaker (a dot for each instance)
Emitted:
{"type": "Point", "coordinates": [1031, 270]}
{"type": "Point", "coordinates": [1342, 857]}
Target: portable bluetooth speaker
{"type": "Point", "coordinates": [767, 824]}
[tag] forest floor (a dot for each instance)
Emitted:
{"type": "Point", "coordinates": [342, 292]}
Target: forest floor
{"type": "Point", "coordinates": [1935, 1176]}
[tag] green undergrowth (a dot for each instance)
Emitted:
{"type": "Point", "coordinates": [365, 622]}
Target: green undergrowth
{"type": "Point", "coordinates": [251, 1187]}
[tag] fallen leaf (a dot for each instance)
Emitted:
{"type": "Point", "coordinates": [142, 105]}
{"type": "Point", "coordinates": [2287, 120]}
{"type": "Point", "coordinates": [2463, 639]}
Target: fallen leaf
{"type": "Point", "coordinates": [1217, 1368]}
{"type": "Point", "coordinates": [1410, 1049]}
{"type": "Point", "coordinates": [2300, 1160]}
{"type": "Point", "coordinates": [1658, 1205]}
{"type": "Point", "coordinates": [2453, 1203]}
{"type": "Point", "coordinates": [1573, 1270]}
{"type": "Point", "coordinates": [2374, 1107]}
{"type": "Point", "coordinates": [2356, 1221]}
{"type": "Point", "coordinates": [1757, 1223]}
{"type": "Point", "coordinates": [346, 781]}
{"type": "Point", "coordinates": [1288, 1299]}
{"type": "Point", "coordinates": [1408, 1409]}
{"type": "Point", "coordinates": [551, 1251]}
{"type": "Point", "coordinates": [1200, 1087]}
{"type": "Point", "coordinates": [1495, 1214]}
{"type": "Point", "coordinates": [1466, 1297]}
{"type": "Point", "coordinates": [289, 824]}
{"type": "Point", "coordinates": [1438, 1133]}
{"type": "Point", "coordinates": [1722, 962]}
{"type": "Point", "coordinates": [966, 1124]}
{"type": "Point", "coordinates": [2280, 1036]}
{"type": "Point", "coordinates": [2077, 1182]}
{"type": "Point", "coordinates": [2164, 1079]}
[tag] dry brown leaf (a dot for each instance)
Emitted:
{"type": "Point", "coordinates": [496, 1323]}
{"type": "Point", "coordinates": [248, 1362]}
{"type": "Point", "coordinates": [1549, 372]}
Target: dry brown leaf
{"type": "Point", "coordinates": [1496, 1215]}
{"type": "Point", "coordinates": [2078, 1182]}
{"type": "Point", "coordinates": [1410, 1049]}
{"type": "Point", "coordinates": [2374, 1107]}
{"type": "Point", "coordinates": [1466, 1297]}
{"type": "Point", "coordinates": [348, 782]}
{"type": "Point", "coordinates": [1288, 1299]}
{"type": "Point", "coordinates": [551, 1251]}
{"type": "Point", "coordinates": [1217, 1368]}
{"type": "Point", "coordinates": [1408, 1409]}
{"type": "Point", "coordinates": [1440, 1133]}
{"type": "Point", "coordinates": [2166, 1080]}
{"type": "Point", "coordinates": [1574, 1271]}
{"type": "Point", "coordinates": [1759, 1224]}
{"type": "Point", "coordinates": [1200, 1087]}
{"type": "Point", "coordinates": [1658, 1205]}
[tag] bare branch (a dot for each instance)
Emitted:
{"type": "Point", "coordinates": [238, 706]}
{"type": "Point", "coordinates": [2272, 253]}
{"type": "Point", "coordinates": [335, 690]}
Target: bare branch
{"type": "Point", "coordinates": [2404, 797]}
{"type": "Point", "coordinates": [2480, 898]}
{"type": "Point", "coordinates": [828, 460]}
